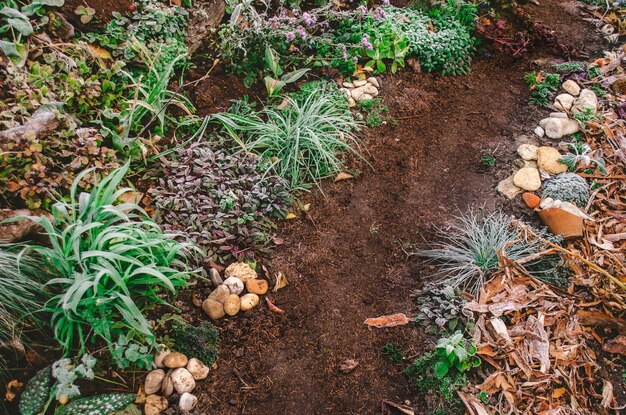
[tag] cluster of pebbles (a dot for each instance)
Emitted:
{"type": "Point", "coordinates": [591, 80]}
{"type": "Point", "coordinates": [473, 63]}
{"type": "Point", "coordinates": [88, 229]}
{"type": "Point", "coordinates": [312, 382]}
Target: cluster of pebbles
{"type": "Point", "coordinates": [540, 163]}
{"type": "Point", "coordinates": [360, 90]}
{"type": "Point", "coordinates": [180, 378]}
{"type": "Point", "coordinates": [227, 298]}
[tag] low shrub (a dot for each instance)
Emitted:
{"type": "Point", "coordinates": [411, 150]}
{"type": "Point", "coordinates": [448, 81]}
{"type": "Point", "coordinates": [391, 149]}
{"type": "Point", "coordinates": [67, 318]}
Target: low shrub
{"type": "Point", "coordinates": [112, 263]}
{"type": "Point", "coordinates": [542, 87]}
{"type": "Point", "coordinates": [302, 140]}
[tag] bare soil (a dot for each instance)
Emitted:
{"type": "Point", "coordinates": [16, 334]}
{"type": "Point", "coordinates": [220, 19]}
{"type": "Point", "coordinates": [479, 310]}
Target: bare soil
{"type": "Point", "coordinates": [346, 259]}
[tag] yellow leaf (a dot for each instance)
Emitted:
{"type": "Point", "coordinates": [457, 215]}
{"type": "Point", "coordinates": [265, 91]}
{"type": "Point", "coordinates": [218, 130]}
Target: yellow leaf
{"type": "Point", "coordinates": [100, 52]}
{"type": "Point", "coordinates": [290, 216]}
{"type": "Point", "coordinates": [343, 176]}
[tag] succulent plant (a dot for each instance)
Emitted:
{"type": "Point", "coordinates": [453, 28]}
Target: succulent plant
{"type": "Point", "coordinates": [441, 309]}
{"type": "Point", "coordinates": [222, 202]}
{"type": "Point", "coordinates": [568, 187]}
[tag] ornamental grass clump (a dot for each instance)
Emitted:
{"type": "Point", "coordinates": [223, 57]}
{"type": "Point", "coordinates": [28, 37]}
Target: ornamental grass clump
{"type": "Point", "coordinates": [303, 140]}
{"type": "Point", "coordinates": [111, 263]}
{"type": "Point", "coordinates": [22, 297]}
{"type": "Point", "coordinates": [468, 255]}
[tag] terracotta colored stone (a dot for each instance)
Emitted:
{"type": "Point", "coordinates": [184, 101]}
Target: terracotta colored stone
{"type": "Point", "coordinates": [531, 200]}
{"type": "Point", "coordinates": [259, 287]}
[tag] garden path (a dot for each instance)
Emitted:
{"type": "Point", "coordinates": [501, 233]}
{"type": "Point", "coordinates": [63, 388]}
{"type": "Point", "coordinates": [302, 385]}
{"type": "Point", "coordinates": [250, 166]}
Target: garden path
{"type": "Point", "coordinates": [345, 260]}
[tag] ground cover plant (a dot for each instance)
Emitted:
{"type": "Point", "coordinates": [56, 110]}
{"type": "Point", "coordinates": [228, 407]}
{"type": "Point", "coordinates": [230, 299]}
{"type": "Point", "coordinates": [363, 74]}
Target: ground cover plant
{"type": "Point", "coordinates": [108, 92]}
{"type": "Point", "coordinates": [111, 262]}
{"type": "Point", "coordinates": [302, 140]}
{"type": "Point", "coordinates": [380, 38]}
{"type": "Point", "coordinates": [225, 203]}
{"type": "Point", "coordinates": [542, 86]}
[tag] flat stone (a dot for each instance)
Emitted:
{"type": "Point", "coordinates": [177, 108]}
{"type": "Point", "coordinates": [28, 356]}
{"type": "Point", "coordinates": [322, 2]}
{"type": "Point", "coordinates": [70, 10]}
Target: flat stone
{"type": "Point", "coordinates": [214, 309]}
{"type": "Point", "coordinates": [571, 87]}
{"type": "Point", "coordinates": [220, 294]}
{"type": "Point", "coordinates": [349, 85]}
{"type": "Point", "coordinates": [359, 82]}
{"type": "Point", "coordinates": [373, 81]}
{"type": "Point", "coordinates": [508, 189]}
{"type": "Point", "coordinates": [527, 178]}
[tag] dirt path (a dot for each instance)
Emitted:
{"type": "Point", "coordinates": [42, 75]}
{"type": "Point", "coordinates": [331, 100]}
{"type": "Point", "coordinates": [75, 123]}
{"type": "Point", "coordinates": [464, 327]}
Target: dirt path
{"type": "Point", "coordinates": [344, 261]}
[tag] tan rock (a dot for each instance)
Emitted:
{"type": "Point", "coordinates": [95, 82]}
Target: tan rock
{"type": "Point", "coordinates": [155, 405]}
{"type": "Point", "coordinates": [366, 97]}
{"type": "Point", "coordinates": [527, 151]}
{"type": "Point", "coordinates": [527, 178]}
{"type": "Point", "coordinates": [214, 309]}
{"type": "Point", "coordinates": [159, 356]}
{"type": "Point", "coordinates": [183, 380]}
{"type": "Point", "coordinates": [257, 286]}
{"type": "Point", "coordinates": [175, 360]}
{"type": "Point", "coordinates": [197, 369]}
{"type": "Point", "coordinates": [167, 387]}
{"type": "Point", "coordinates": [507, 188]}
{"type": "Point", "coordinates": [235, 285]}
{"type": "Point", "coordinates": [564, 102]}
{"type": "Point", "coordinates": [240, 270]}
{"type": "Point", "coordinates": [153, 381]}
{"type": "Point", "coordinates": [374, 81]}
{"type": "Point", "coordinates": [547, 160]}
{"type": "Point", "coordinates": [233, 304]}
{"type": "Point", "coordinates": [587, 100]}
{"type": "Point", "coordinates": [571, 87]}
{"type": "Point", "coordinates": [359, 82]}
{"type": "Point", "coordinates": [187, 402]}
{"type": "Point", "coordinates": [220, 294]}
{"type": "Point", "coordinates": [249, 301]}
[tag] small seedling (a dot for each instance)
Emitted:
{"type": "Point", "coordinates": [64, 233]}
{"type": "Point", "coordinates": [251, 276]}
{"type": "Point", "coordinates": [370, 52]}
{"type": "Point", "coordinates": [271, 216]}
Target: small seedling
{"type": "Point", "coordinates": [488, 161]}
{"type": "Point", "coordinates": [393, 352]}
{"type": "Point", "coordinates": [374, 228]}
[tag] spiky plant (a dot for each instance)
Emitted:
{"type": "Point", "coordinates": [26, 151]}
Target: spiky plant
{"type": "Point", "coordinates": [112, 262]}
{"type": "Point", "coordinates": [468, 253]}
{"type": "Point", "coordinates": [22, 296]}
{"type": "Point", "coordinates": [303, 140]}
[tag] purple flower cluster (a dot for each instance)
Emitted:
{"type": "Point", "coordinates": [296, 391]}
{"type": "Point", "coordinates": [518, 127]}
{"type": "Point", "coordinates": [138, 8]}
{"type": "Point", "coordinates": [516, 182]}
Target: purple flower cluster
{"type": "Point", "coordinates": [301, 32]}
{"type": "Point", "coordinates": [362, 10]}
{"type": "Point", "coordinates": [344, 52]}
{"type": "Point", "coordinates": [379, 13]}
{"type": "Point", "coordinates": [308, 19]}
{"type": "Point", "coordinates": [290, 36]}
{"type": "Point", "coordinates": [365, 42]}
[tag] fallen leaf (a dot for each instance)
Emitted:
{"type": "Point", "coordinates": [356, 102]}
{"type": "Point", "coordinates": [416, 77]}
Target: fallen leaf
{"type": "Point", "coordinates": [616, 345]}
{"type": "Point", "coordinates": [392, 320]}
{"type": "Point", "coordinates": [272, 307]}
{"type": "Point", "coordinates": [343, 176]}
{"type": "Point", "coordinates": [197, 299]}
{"type": "Point", "coordinates": [12, 387]}
{"type": "Point", "coordinates": [290, 216]}
{"type": "Point", "coordinates": [281, 281]}
{"type": "Point", "coordinates": [100, 52]}
{"type": "Point", "coordinates": [13, 187]}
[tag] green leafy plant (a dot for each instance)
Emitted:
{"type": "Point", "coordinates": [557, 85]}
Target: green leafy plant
{"type": "Point", "coordinates": [275, 84]}
{"type": "Point", "coordinates": [542, 87]}
{"type": "Point", "coordinates": [302, 140]}
{"type": "Point", "coordinates": [393, 352]}
{"type": "Point", "coordinates": [469, 251]}
{"type": "Point", "coordinates": [568, 187]}
{"type": "Point", "coordinates": [196, 341]}
{"type": "Point", "coordinates": [377, 113]}
{"type": "Point", "coordinates": [112, 262]}
{"type": "Point", "coordinates": [98, 405]}
{"type": "Point", "coordinates": [443, 371]}
{"type": "Point", "coordinates": [581, 153]}
{"type": "Point", "coordinates": [440, 309]}
{"type": "Point", "coordinates": [567, 67]}
{"type": "Point", "coordinates": [36, 393]}
{"type": "Point", "coordinates": [86, 13]}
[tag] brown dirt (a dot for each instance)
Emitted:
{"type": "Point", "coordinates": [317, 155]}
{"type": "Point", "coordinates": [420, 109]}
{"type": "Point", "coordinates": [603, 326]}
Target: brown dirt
{"type": "Point", "coordinates": [344, 259]}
